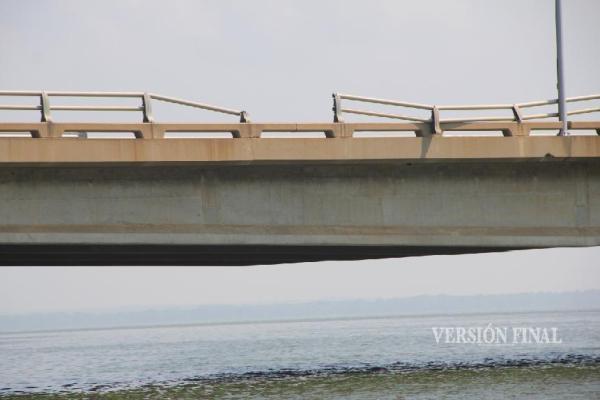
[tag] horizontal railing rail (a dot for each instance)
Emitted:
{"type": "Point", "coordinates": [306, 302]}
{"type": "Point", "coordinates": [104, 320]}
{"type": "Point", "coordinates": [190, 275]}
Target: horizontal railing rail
{"type": "Point", "coordinates": [517, 124]}
{"type": "Point", "coordinates": [435, 120]}
{"type": "Point", "coordinates": [145, 107]}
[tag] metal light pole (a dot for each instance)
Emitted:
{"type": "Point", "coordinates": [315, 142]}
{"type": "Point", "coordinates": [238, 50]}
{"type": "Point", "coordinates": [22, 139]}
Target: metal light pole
{"type": "Point", "coordinates": [562, 104]}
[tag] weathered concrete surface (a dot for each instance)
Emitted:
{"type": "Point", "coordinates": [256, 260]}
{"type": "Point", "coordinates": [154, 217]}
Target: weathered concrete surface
{"type": "Point", "coordinates": [45, 151]}
{"type": "Point", "coordinates": [244, 214]}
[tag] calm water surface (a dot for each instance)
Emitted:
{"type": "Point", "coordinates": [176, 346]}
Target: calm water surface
{"type": "Point", "coordinates": [393, 358]}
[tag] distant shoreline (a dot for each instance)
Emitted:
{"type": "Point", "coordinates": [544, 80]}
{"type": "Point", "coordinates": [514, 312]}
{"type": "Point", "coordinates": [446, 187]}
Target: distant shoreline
{"type": "Point", "coordinates": [223, 314]}
{"type": "Point", "coordinates": [295, 320]}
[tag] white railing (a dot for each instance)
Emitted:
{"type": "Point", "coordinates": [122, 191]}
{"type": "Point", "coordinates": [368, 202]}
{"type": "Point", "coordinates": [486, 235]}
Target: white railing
{"type": "Point", "coordinates": [45, 107]}
{"type": "Point", "coordinates": [517, 114]}
{"type": "Point", "coordinates": [145, 107]}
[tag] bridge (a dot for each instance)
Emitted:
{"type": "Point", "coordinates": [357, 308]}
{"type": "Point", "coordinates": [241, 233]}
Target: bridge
{"type": "Point", "coordinates": [242, 193]}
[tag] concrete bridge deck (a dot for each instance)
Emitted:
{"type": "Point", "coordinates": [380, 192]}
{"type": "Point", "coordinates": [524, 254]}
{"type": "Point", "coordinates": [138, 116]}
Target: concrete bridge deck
{"type": "Point", "coordinates": [47, 144]}
{"type": "Point", "coordinates": [248, 200]}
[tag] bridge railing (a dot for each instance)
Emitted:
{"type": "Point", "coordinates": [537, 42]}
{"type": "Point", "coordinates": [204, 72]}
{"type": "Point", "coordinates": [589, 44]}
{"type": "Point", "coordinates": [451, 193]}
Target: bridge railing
{"type": "Point", "coordinates": [516, 124]}
{"type": "Point", "coordinates": [436, 120]}
{"type": "Point", "coordinates": [46, 108]}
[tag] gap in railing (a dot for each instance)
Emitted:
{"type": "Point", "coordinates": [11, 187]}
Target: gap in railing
{"type": "Point", "coordinates": [579, 105]}
{"type": "Point", "coordinates": [473, 133]}
{"type": "Point", "coordinates": [75, 135]}
{"type": "Point", "coordinates": [20, 100]}
{"type": "Point", "coordinates": [19, 116]}
{"type": "Point", "coordinates": [97, 116]}
{"type": "Point", "coordinates": [292, 135]}
{"type": "Point", "coordinates": [169, 112]}
{"type": "Point", "coordinates": [582, 132]}
{"type": "Point", "coordinates": [197, 135]}
{"type": "Point", "coordinates": [15, 135]}
{"type": "Point", "coordinates": [94, 101]}
{"type": "Point", "coordinates": [505, 113]}
{"type": "Point", "coordinates": [588, 104]}
{"type": "Point", "coordinates": [554, 132]}
{"type": "Point", "coordinates": [99, 135]}
{"type": "Point", "coordinates": [544, 132]}
{"type": "Point", "coordinates": [383, 134]}
{"type": "Point", "coordinates": [381, 108]}
{"type": "Point", "coordinates": [547, 109]}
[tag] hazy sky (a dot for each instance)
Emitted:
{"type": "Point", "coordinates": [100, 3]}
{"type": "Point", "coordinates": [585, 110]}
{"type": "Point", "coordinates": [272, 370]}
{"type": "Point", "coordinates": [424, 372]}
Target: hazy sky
{"type": "Point", "coordinates": [78, 288]}
{"type": "Point", "coordinates": [280, 60]}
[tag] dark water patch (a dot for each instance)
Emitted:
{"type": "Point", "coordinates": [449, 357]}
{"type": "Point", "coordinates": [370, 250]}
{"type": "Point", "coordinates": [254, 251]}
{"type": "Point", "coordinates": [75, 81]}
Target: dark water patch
{"type": "Point", "coordinates": [401, 367]}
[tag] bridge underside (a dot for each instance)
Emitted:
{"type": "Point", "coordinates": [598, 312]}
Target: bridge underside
{"type": "Point", "coordinates": [243, 213]}
{"type": "Point", "coordinates": [200, 255]}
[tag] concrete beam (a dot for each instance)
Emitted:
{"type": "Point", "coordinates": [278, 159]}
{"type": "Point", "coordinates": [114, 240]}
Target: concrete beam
{"type": "Point", "coordinates": [192, 214]}
{"type": "Point", "coordinates": [24, 151]}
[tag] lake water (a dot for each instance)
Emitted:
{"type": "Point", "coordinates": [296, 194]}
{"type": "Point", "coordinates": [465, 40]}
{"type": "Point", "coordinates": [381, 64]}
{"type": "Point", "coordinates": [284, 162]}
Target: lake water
{"type": "Point", "coordinates": [378, 358]}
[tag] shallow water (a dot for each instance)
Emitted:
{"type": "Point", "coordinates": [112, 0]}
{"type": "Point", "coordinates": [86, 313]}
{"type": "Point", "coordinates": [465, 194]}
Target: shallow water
{"type": "Point", "coordinates": [391, 358]}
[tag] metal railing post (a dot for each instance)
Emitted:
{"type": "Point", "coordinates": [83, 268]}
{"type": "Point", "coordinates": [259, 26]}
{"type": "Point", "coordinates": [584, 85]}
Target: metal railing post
{"type": "Point", "coordinates": [337, 108]}
{"type": "Point", "coordinates": [435, 121]}
{"type": "Point", "coordinates": [517, 113]}
{"type": "Point", "coordinates": [45, 104]}
{"type": "Point", "coordinates": [147, 108]}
